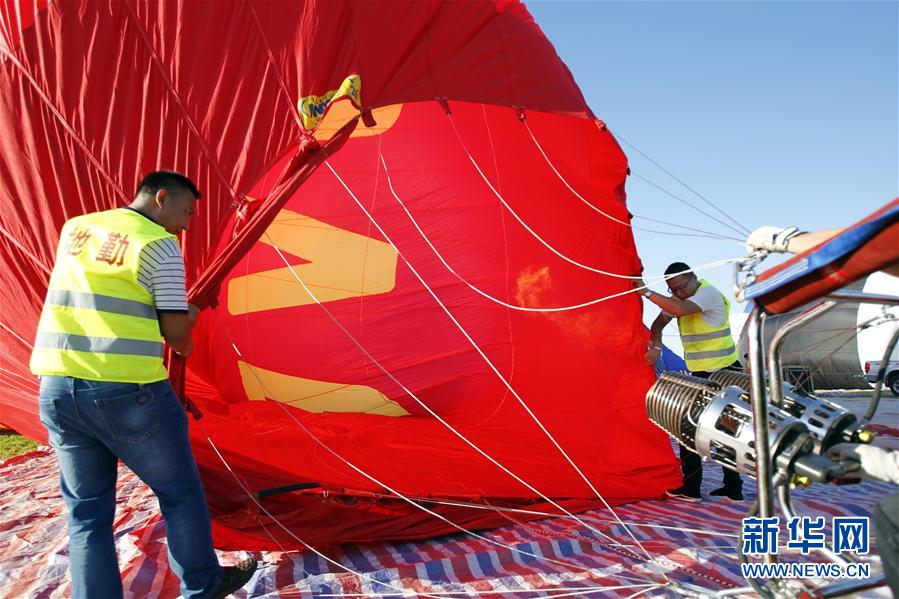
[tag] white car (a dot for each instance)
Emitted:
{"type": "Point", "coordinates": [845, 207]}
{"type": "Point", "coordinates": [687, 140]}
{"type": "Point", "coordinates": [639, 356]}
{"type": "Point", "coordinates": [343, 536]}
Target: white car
{"type": "Point", "coordinates": [891, 380]}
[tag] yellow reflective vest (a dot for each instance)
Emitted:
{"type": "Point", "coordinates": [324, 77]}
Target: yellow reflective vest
{"type": "Point", "coordinates": [98, 322]}
{"type": "Point", "coordinates": [705, 347]}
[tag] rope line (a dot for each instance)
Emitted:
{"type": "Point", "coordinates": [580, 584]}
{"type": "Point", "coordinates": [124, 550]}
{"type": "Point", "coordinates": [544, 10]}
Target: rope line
{"type": "Point", "coordinates": [551, 515]}
{"type": "Point", "coordinates": [489, 363]}
{"type": "Point", "coordinates": [700, 232]}
{"type": "Point", "coordinates": [545, 533]}
{"type": "Point", "coordinates": [27, 380]}
{"type": "Point", "coordinates": [818, 365]}
{"type": "Point", "coordinates": [684, 202]}
{"type": "Point", "coordinates": [188, 118]}
{"type": "Point", "coordinates": [435, 415]}
{"type": "Point", "coordinates": [395, 493]}
{"type": "Point", "coordinates": [282, 84]}
{"type": "Point", "coordinates": [285, 529]}
{"type": "Point", "coordinates": [614, 219]}
{"type": "Point", "coordinates": [745, 230]}
{"type": "Point", "coordinates": [492, 298]}
{"type": "Point", "coordinates": [643, 592]}
{"type": "Point", "coordinates": [526, 227]}
{"type": "Point", "coordinates": [493, 368]}
{"type": "Point", "coordinates": [29, 254]}
{"type": "Point", "coordinates": [16, 335]}
{"type": "Point", "coordinates": [619, 549]}
{"type": "Point", "coordinates": [45, 98]}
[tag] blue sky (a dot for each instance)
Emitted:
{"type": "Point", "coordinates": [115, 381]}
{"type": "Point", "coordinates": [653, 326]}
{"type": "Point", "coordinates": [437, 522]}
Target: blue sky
{"type": "Point", "coordinates": [780, 113]}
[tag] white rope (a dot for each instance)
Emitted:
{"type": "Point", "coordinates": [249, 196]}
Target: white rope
{"type": "Point", "coordinates": [644, 591]}
{"type": "Point", "coordinates": [446, 424]}
{"type": "Point", "coordinates": [492, 298]}
{"type": "Point", "coordinates": [527, 228]}
{"type": "Point", "coordinates": [589, 204]}
{"type": "Point", "coordinates": [699, 232]}
{"type": "Point", "coordinates": [30, 254]}
{"type": "Point", "coordinates": [403, 591]}
{"type": "Point", "coordinates": [479, 506]}
{"type": "Point", "coordinates": [438, 417]}
{"type": "Point", "coordinates": [14, 334]}
{"type": "Point", "coordinates": [745, 231]}
{"type": "Point", "coordinates": [285, 529]}
{"type": "Point", "coordinates": [495, 371]}
{"type": "Point", "coordinates": [29, 380]}
{"type": "Point", "coordinates": [488, 540]}
{"type": "Point", "coordinates": [685, 202]}
{"type": "Point", "coordinates": [380, 483]}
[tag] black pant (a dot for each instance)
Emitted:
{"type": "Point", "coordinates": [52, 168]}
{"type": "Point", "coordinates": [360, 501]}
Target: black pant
{"type": "Point", "coordinates": [691, 464]}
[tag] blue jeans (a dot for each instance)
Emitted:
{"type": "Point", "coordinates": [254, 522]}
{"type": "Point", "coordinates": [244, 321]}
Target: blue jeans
{"type": "Point", "coordinates": [94, 424]}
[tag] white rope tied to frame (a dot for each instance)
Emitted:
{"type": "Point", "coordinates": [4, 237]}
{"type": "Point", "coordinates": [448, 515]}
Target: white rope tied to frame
{"type": "Point", "coordinates": [744, 231]}
{"type": "Point", "coordinates": [492, 368]}
{"type": "Point", "coordinates": [699, 232]}
{"type": "Point", "coordinates": [396, 493]}
{"type": "Point", "coordinates": [686, 203]}
{"type": "Point", "coordinates": [696, 232]}
{"type": "Point", "coordinates": [496, 300]}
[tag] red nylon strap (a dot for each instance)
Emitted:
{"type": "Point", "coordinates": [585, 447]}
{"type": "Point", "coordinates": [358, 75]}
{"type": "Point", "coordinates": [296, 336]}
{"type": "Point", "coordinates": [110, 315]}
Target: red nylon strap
{"type": "Point", "coordinates": [204, 292]}
{"type": "Point", "coordinates": [309, 156]}
{"type": "Point", "coordinates": [177, 367]}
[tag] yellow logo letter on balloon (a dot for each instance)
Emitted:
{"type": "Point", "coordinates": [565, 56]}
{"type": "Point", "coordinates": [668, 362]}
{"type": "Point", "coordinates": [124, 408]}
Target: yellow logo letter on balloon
{"type": "Point", "coordinates": [313, 108]}
{"type": "Point", "coordinates": [313, 395]}
{"type": "Point", "coordinates": [342, 264]}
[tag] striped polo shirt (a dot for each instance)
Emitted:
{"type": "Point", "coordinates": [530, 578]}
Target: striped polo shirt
{"type": "Point", "coordinates": [161, 273]}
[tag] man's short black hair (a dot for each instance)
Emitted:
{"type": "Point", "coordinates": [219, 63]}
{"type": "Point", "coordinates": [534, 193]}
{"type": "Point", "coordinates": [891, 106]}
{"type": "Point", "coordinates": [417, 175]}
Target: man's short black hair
{"type": "Point", "coordinates": [167, 180]}
{"type": "Point", "coordinates": [677, 268]}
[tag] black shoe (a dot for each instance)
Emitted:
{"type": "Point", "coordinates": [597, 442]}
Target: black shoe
{"type": "Point", "coordinates": [732, 494]}
{"type": "Point", "coordinates": [235, 577]}
{"type": "Point", "coordinates": [684, 494]}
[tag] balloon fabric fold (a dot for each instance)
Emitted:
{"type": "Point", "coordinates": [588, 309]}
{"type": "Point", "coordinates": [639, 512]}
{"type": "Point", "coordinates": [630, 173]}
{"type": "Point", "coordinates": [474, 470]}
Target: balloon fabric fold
{"type": "Point", "coordinates": [386, 255]}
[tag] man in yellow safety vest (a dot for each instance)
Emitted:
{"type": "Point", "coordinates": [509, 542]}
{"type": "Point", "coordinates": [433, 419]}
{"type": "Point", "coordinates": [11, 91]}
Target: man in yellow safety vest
{"type": "Point", "coordinates": [703, 320]}
{"type": "Point", "coordinates": [116, 294]}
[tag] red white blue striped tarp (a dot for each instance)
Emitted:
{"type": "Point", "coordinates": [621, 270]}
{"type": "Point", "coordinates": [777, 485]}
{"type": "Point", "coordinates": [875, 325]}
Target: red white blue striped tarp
{"type": "Point", "coordinates": [691, 543]}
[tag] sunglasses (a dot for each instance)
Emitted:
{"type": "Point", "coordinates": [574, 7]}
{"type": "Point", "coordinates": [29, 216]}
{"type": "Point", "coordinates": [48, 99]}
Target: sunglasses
{"type": "Point", "coordinates": [676, 288]}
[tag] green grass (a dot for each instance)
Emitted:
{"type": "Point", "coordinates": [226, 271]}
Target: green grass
{"type": "Point", "coordinates": [14, 444]}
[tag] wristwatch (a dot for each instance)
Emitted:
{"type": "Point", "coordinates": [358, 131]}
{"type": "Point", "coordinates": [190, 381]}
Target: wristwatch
{"type": "Point", "coordinates": [647, 293]}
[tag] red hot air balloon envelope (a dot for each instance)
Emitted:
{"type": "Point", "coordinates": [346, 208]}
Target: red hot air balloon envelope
{"type": "Point", "coordinates": [387, 200]}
